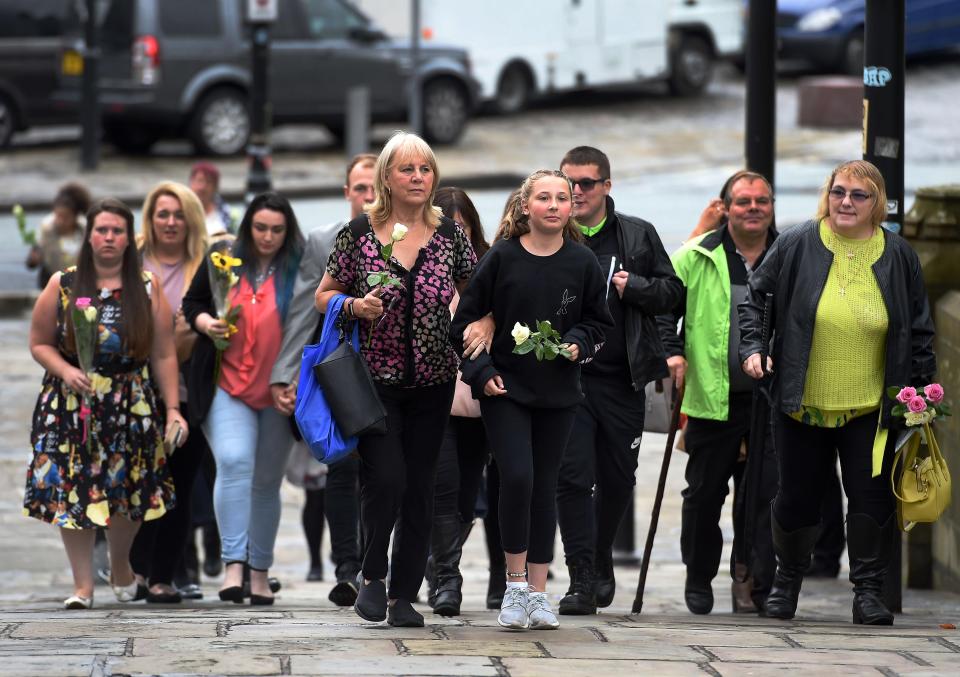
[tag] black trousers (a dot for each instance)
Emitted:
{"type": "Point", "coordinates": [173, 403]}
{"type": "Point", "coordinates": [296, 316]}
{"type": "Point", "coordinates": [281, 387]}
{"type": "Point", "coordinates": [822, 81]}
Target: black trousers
{"type": "Point", "coordinates": [806, 456]}
{"type": "Point", "coordinates": [528, 444]}
{"type": "Point", "coordinates": [460, 468]}
{"type": "Point", "coordinates": [397, 476]}
{"type": "Point", "coordinates": [713, 449]}
{"type": "Point", "coordinates": [159, 544]}
{"type": "Point", "coordinates": [833, 538]}
{"type": "Point", "coordinates": [598, 471]}
{"type": "Point", "coordinates": [342, 509]}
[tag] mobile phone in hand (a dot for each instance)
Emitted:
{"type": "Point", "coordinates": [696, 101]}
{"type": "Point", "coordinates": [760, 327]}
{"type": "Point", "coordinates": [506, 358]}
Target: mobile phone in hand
{"type": "Point", "coordinates": [172, 441]}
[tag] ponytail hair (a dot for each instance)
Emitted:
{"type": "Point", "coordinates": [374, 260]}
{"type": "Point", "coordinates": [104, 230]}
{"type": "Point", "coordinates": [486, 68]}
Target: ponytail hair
{"type": "Point", "coordinates": [515, 223]}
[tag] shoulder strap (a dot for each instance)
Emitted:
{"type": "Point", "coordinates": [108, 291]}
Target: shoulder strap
{"type": "Point", "coordinates": [446, 227]}
{"type": "Point", "coordinates": [359, 226]}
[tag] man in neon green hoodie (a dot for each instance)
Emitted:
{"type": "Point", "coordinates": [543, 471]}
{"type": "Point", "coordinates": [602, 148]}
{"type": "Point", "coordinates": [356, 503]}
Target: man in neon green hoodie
{"type": "Point", "coordinates": [714, 268]}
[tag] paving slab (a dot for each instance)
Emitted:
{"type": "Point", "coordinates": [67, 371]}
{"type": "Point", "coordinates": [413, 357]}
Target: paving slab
{"type": "Point", "coordinates": [812, 656]}
{"type": "Point", "coordinates": [458, 666]}
{"type": "Point", "coordinates": [793, 670]}
{"type": "Point", "coordinates": [276, 645]}
{"type": "Point", "coordinates": [176, 663]}
{"type": "Point", "coordinates": [52, 666]}
{"type": "Point", "coordinates": [506, 647]}
{"type": "Point", "coordinates": [532, 667]}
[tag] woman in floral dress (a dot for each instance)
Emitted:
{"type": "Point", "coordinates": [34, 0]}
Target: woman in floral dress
{"type": "Point", "coordinates": [97, 436]}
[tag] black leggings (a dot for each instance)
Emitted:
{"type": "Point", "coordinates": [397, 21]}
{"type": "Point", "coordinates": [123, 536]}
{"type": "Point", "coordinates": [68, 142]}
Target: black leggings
{"type": "Point", "coordinates": [460, 468]}
{"type": "Point", "coordinates": [806, 457]}
{"type": "Point", "coordinates": [528, 444]}
{"type": "Point", "coordinates": [397, 474]}
{"type": "Point", "coordinates": [159, 544]}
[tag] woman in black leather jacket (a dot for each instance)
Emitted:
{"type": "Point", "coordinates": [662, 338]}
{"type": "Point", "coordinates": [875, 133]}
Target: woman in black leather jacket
{"type": "Point", "coordinates": [850, 319]}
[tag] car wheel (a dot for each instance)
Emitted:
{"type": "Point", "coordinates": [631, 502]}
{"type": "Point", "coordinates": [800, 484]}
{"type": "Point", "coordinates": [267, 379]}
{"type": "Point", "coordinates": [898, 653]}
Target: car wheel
{"type": "Point", "coordinates": [128, 137]}
{"type": "Point", "coordinates": [853, 55]}
{"type": "Point", "coordinates": [513, 90]}
{"type": "Point", "coordinates": [221, 123]}
{"type": "Point", "coordinates": [8, 121]}
{"type": "Point", "coordinates": [445, 111]}
{"type": "Point", "coordinates": [691, 66]}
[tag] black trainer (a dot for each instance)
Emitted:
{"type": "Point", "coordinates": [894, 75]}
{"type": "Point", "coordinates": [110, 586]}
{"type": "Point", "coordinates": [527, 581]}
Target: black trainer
{"type": "Point", "coordinates": [581, 597]}
{"type": "Point", "coordinates": [371, 604]}
{"type": "Point", "coordinates": [403, 615]}
{"type": "Point", "coordinates": [698, 595]}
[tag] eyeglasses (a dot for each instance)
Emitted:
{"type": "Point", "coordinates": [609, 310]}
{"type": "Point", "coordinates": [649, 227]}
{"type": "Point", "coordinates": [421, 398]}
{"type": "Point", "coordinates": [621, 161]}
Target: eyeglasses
{"type": "Point", "coordinates": [586, 185]}
{"type": "Point", "coordinates": [164, 215]}
{"type": "Point", "coordinates": [856, 196]}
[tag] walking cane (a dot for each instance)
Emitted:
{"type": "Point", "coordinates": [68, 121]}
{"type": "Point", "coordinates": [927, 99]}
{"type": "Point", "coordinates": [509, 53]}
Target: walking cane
{"type": "Point", "coordinates": [655, 516]}
{"type": "Point", "coordinates": [746, 506]}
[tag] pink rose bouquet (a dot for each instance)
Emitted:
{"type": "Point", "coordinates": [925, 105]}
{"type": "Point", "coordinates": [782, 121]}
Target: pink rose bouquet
{"type": "Point", "coordinates": [918, 407]}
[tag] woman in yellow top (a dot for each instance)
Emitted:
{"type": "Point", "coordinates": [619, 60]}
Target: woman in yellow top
{"type": "Point", "coordinates": [850, 319]}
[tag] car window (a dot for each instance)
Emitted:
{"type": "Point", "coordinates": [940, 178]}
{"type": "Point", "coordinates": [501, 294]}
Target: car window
{"type": "Point", "coordinates": [184, 18]}
{"type": "Point", "coordinates": [34, 18]}
{"type": "Point", "coordinates": [290, 23]}
{"type": "Point", "coordinates": [332, 19]}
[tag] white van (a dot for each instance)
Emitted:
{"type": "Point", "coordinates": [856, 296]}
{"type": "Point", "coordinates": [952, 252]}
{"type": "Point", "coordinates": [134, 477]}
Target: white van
{"type": "Point", "coordinates": [523, 48]}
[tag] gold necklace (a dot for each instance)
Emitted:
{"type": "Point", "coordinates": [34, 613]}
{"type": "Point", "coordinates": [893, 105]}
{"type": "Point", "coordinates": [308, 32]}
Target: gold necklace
{"type": "Point", "coordinates": [843, 281]}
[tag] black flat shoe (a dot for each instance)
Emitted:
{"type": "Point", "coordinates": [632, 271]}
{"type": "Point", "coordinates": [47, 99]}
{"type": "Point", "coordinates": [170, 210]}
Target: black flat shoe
{"type": "Point", "coordinates": [403, 615]}
{"type": "Point", "coordinates": [315, 574]}
{"type": "Point", "coordinates": [261, 600]}
{"type": "Point", "coordinates": [232, 594]}
{"type": "Point", "coordinates": [344, 593]}
{"type": "Point", "coordinates": [371, 604]}
{"type": "Point", "coordinates": [164, 597]}
{"type": "Point", "coordinates": [143, 592]}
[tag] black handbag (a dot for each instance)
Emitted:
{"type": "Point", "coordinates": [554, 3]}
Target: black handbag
{"type": "Point", "coordinates": [350, 391]}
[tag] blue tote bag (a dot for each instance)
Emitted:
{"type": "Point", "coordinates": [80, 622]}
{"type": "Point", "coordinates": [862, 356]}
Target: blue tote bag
{"type": "Point", "coordinates": [312, 413]}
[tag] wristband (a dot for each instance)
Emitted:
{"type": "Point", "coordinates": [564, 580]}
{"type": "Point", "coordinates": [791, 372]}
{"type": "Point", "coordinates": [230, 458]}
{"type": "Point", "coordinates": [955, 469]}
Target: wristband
{"type": "Point", "coordinates": [350, 307]}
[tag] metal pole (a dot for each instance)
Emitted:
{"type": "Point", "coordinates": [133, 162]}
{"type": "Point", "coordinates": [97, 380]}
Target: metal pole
{"type": "Point", "coordinates": [761, 56]}
{"type": "Point", "coordinates": [416, 103]}
{"type": "Point", "coordinates": [89, 103]}
{"type": "Point", "coordinates": [357, 125]}
{"type": "Point", "coordinates": [258, 151]}
{"type": "Point", "coordinates": [883, 129]}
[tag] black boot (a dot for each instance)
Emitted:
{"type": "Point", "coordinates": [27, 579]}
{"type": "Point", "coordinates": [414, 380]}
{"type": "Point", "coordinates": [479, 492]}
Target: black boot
{"type": "Point", "coordinates": [447, 539]}
{"type": "Point", "coordinates": [869, 545]}
{"type": "Point", "coordinates": [793, 550]}
{"type": "Point", "coordinates": [496, 585]}
{"type": "Point", "coordinates": [581, 597]}
{"type": "Point", "coordinates": [606, 584]}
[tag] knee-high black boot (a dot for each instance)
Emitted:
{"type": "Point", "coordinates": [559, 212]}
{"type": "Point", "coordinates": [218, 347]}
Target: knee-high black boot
{"type": "Point", "coordinates": [449, 535]}
{"type": "Point", "coordinates": [793, 550]}
{"type": "Point", "coordinates": [869, 545]}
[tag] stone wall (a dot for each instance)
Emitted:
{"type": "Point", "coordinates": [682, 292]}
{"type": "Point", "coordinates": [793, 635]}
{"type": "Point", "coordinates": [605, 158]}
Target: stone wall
{"type": "Point", "coordinates": [946, 531]}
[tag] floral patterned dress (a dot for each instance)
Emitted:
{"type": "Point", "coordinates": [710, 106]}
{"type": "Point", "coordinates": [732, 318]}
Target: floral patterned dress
{"type": "Point", "coordinates": [126, 472]}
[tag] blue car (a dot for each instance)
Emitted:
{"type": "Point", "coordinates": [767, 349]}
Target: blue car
{"type": "Point", "coordinates": [828, 34]}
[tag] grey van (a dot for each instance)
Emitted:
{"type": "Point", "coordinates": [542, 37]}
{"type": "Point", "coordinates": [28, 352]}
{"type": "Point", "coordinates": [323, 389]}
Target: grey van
{"type": "Point", "coordinates": [182, 68]}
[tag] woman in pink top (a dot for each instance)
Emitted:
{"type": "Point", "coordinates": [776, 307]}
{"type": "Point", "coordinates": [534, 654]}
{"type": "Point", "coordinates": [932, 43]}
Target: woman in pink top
{"type": "Point", "coordinates": [246, 424]}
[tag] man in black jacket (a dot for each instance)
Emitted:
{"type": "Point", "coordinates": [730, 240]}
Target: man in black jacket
{"type": "Point", "coordinates": [597, 473]}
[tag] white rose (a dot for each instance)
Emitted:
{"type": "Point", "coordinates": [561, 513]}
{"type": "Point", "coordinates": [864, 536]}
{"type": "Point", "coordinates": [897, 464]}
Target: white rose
{"type": "Point", "coordinates": [90, 313]}
{"type": "Point", "coordinates": [913, 418]}
{"type": "Point", "coordinates": [520, 333]}
{"type": "Point", "coordinates": [399, 232]}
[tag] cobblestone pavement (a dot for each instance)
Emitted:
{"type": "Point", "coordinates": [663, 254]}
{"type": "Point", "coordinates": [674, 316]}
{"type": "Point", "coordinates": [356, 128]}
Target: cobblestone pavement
{"type": "Point", "coordinates": [304, 634]}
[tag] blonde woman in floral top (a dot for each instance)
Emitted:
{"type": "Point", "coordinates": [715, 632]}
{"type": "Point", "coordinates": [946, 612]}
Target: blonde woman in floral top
{"type": "Point", "coordinates": [403, 337]}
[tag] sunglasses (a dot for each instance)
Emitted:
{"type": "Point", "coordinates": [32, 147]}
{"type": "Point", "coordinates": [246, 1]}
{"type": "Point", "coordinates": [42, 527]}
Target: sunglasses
{"type": "Point", "coordinates": [586, 185]}
{"type": "Point", "coordinates": [856, 196]}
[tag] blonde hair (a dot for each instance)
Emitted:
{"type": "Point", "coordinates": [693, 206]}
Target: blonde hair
{"type": "Point", "coordinates": [862, 171]}
{"type": "Point", "coordinates": [196, 244]}
{"type": "Point", "coordinates": [402, 147]}
{"type": "Point", "coordinates": [515, 223]}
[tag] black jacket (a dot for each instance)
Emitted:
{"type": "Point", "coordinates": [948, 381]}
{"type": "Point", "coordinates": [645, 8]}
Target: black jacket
{"type": "Point", "coordinates": [200, 386]}
{"type": "Point", "coordinates": [652, 288]}
{"type": "Point", "coordinates": [795, 271]}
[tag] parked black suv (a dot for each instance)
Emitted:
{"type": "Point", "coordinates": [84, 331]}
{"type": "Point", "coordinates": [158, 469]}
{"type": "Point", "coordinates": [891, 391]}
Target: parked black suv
{"type": "Point", "coordinates": [182, 68]}
{"type": "Point", "coordinates": [31, 45]}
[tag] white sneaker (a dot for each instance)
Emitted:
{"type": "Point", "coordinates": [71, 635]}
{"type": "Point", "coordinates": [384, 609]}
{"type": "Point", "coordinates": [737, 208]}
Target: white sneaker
{"type": "Point", "coordinates": [539, 611]}
{"type": "Point", "coordinates": [513, 609]}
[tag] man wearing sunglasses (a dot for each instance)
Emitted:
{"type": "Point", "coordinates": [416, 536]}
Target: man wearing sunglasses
{"type": "Point", "coordinates": [596, 480]}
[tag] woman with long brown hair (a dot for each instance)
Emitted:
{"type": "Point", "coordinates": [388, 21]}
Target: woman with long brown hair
{"type": "Point", "coordinates": [98, 436]}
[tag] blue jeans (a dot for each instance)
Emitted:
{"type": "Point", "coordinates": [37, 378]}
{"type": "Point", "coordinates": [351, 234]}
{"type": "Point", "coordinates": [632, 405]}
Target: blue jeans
{"type": "Point", "coordinates": [251, 449]}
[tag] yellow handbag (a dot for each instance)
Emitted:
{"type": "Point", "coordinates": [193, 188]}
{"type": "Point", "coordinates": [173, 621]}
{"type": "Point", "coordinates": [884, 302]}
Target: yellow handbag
{"type": "Point", "coordinates": [923, 486]}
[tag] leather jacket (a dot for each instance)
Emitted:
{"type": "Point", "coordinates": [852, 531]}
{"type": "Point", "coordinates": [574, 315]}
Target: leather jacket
{"type": "Point", "coordinates": [652, 288]}
{"type": "Point", "coordinates": [795, 271]}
